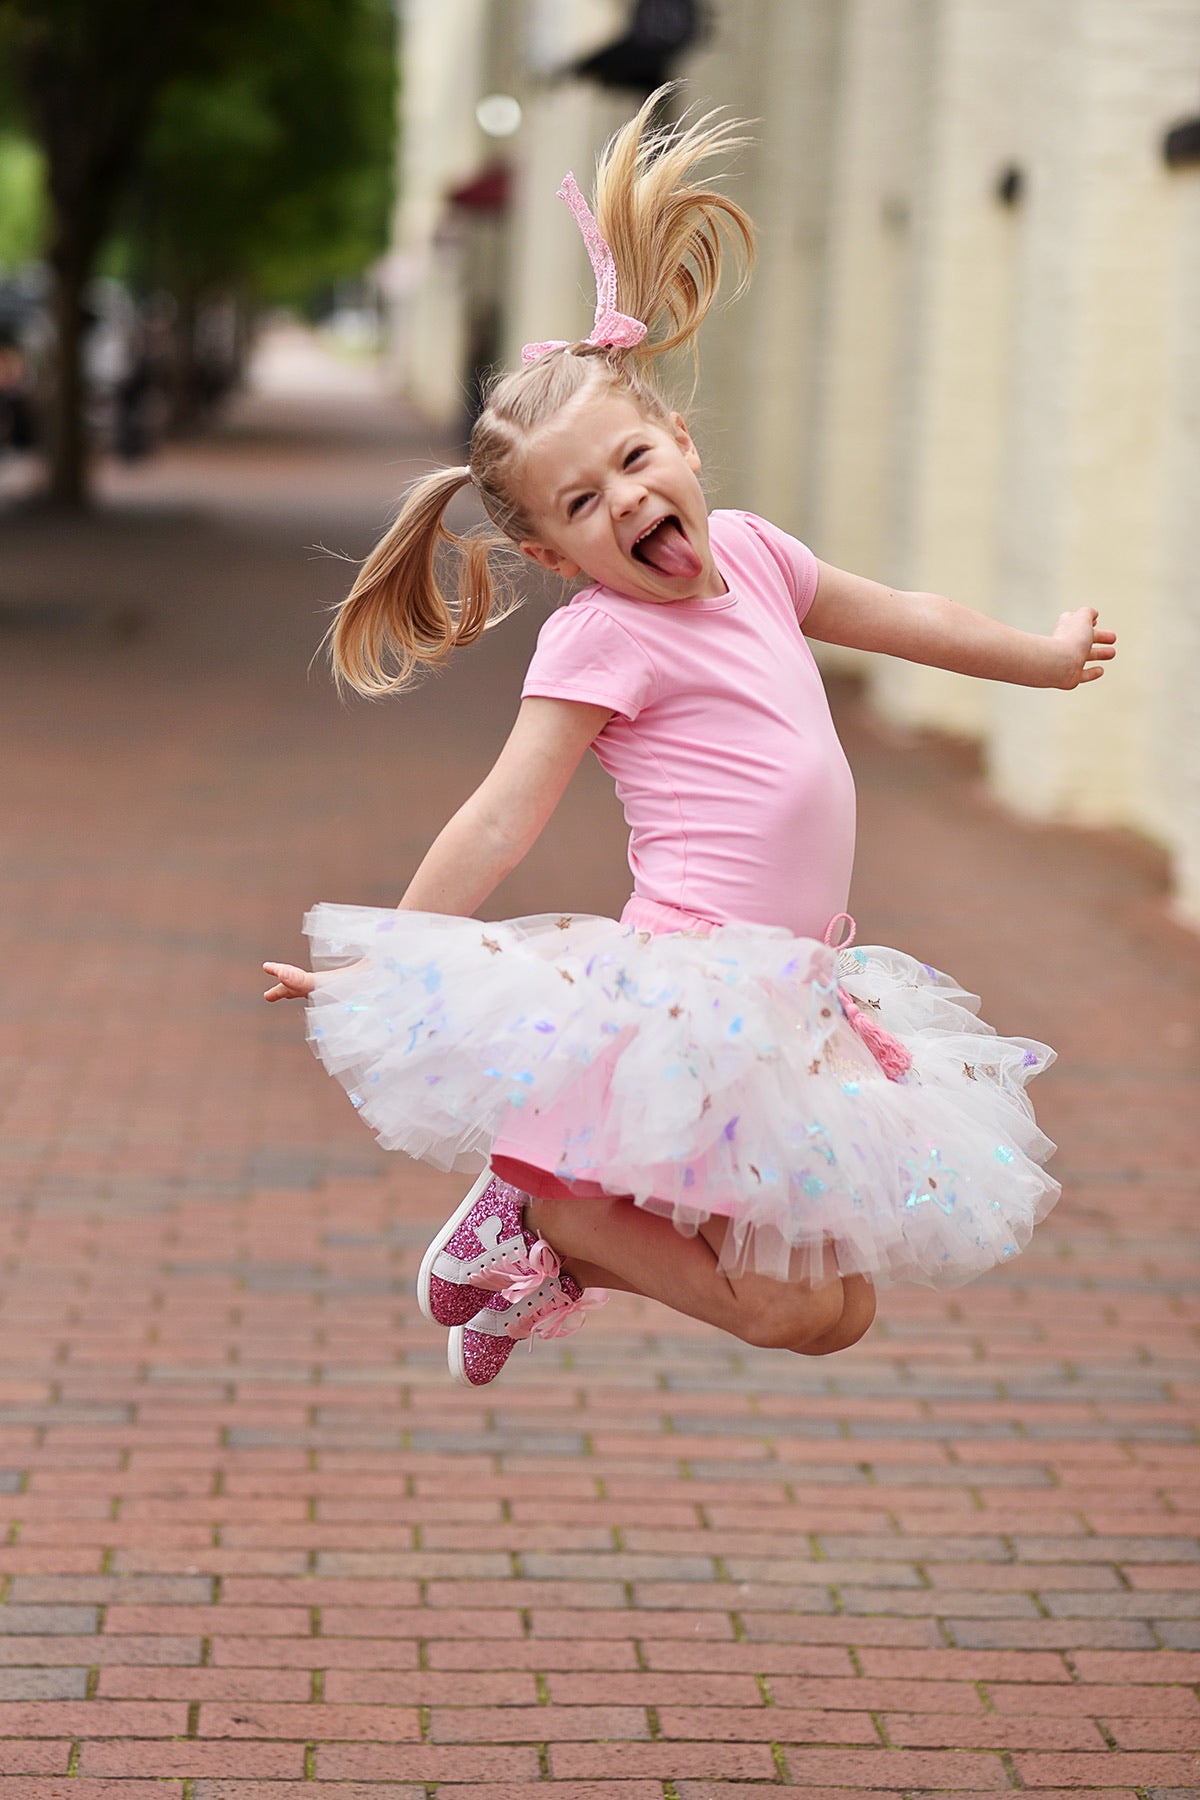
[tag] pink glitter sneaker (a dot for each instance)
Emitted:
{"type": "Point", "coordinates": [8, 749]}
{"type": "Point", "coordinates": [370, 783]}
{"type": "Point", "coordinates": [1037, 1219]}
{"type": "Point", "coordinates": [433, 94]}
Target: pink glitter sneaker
{"type": "Point", "coordinates": [533, 1299]}
{"type": "Point", "coordinates": [483, 1231]}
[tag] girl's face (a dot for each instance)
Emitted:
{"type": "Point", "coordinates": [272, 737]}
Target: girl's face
{"type": "Point", "coordinates": [614, 495]}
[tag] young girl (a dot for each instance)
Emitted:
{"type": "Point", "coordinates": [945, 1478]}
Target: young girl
{"type": "Point", "coordinates": [717, 1101]}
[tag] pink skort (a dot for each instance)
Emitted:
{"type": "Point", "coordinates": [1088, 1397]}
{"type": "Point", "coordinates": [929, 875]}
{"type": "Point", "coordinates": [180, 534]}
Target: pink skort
{"type": "Point", "coordinates": [526, 1160]}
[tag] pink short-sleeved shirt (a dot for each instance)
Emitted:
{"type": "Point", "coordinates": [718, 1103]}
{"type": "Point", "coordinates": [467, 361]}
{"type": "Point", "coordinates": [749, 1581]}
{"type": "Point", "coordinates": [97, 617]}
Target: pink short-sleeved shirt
{"type": "Point", "coordinates": [736, 790]}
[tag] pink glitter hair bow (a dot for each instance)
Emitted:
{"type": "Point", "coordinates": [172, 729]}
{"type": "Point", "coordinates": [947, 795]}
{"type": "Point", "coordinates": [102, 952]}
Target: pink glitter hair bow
{"type": "Point", "coordinates": [610, 328]}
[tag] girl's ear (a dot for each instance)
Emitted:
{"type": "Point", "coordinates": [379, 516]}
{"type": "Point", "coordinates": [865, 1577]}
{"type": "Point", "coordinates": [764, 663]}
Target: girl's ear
{"type": "Point", "coordinates": [554, 560]}
{"type": "Point", "coordinates": [691, 455]}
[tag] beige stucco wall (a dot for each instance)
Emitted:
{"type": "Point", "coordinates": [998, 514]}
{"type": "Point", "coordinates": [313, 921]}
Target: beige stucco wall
{"type": "Point", "coordinates": [443, 45]}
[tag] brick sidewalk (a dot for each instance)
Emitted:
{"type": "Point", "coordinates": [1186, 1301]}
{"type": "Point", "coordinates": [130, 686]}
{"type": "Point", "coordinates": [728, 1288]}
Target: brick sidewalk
{"type": "Point", "coordinates": [257, 1544]}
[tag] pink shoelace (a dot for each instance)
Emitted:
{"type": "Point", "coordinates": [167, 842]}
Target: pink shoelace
{"type": "Point", "coordinates": [517, 1277]}
{"type": "Point", "coordinates": [610, 328]}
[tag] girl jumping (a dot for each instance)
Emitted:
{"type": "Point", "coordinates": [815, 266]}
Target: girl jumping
{"type": "Point", "coordinates": [718, 1100]}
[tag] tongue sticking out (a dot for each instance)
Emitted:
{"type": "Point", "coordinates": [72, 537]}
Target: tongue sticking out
{"type": "Point", "coordinates": [667, 550]}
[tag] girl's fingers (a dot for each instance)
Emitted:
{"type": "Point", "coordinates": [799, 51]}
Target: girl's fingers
{"type": "Point", "coordinates": [292, 983]}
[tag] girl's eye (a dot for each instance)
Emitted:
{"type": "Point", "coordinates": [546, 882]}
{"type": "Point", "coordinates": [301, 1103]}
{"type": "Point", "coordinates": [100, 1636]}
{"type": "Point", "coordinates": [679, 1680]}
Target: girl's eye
{"type": "Point", "coordinates": [575, 505]}
{"type": "Point", "coordinates": [634, 454]}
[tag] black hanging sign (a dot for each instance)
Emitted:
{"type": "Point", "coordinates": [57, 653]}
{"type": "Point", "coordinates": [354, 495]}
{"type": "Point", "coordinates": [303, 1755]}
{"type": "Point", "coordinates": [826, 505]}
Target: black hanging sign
{"type": "Point", "coordinates": [641, 60]}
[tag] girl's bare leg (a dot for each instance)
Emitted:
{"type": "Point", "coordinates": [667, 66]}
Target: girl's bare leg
{"type": "Point", "coordinates": [613, 1243]}
{"type": "Point", "coordinates": [858, 1313]}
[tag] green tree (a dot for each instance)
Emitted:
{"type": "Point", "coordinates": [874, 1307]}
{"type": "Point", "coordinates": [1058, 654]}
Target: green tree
{"type": "Point", "coordinates": [22, 208]}
{"type": "Point", "coordinates": [109, 91]}
{"type": "Point", "coordinates": [275, 175]}
{"type": "Point", "coordinates": [85, 74]}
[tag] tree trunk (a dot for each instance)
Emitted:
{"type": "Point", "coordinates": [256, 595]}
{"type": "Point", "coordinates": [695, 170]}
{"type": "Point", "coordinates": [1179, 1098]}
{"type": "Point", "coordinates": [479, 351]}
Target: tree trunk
{"type": "Point", "coordinates": [185, 391]}
{"type": "Point", "coordinates": [88, 75]}
{"type": "Point", "coordinates": [69, 459]}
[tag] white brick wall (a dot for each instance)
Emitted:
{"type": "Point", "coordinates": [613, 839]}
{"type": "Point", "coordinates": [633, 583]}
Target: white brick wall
{"type": "Point", "coordinates": [950, 428]}
{"type": "Point", "coordinates": [1084, 520]}
{"type": "Point", "coordinates": [866, 282]}
{"type": "Point", "coordinates": [1172, 799]}
{"type": "Point", "coordinates": [775, 66]}
{"type": "Point", "coordinates": [552, 293]}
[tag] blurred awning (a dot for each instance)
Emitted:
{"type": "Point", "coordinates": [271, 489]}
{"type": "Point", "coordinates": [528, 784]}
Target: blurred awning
{"type": "Point", "coordinates": [487, 192]}
{"type": "Point", "coordinates": [1181, 146]}
{"type": "Point", "coordinates": [659, 30]}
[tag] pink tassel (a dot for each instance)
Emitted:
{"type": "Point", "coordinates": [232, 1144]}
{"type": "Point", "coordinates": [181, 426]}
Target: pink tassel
{"type": "Point", "coordinates": [888, 1051]}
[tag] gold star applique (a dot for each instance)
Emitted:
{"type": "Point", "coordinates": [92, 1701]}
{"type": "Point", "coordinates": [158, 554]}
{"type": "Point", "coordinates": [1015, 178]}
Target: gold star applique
{"type": "Point", "coordinates": [707, 1104]}
{"type": "Point", "coordinates": [567, 976]}
{"type": "Point", "coordinates": [490, 944]}
{"type": "Point", "coordinates": [673, 1012]}
{"type": "Point", "coordinates": [565, 923]}
{"type": "Point", "coordinates": [969, 1071]}
{"type": "Point", "coordinates": [814, 1067]}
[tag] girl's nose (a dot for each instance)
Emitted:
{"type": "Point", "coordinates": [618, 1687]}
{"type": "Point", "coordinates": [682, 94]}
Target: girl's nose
{"type": "Point", "coordinates": [628, 494]}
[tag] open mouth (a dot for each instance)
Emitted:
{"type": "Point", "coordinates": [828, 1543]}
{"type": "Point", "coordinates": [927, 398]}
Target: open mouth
{"type": "Point", "coordinates": [665, 548]}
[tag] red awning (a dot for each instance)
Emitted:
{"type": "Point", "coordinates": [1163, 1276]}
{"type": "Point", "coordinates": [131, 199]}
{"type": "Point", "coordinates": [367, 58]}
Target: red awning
{"type": "Point", "coordinates": [486, 192]}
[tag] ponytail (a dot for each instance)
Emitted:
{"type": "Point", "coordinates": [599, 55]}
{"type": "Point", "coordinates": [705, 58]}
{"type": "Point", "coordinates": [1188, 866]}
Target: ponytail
{"type": "Point", "coordinates": [396, 620]}
{"type": "Point", "coordinates": [669, 238]}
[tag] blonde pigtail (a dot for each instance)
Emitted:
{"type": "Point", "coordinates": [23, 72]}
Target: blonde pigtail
{"type": "Point", "coordinates": [670, 239]}
{"type": "Point", "coordinates": [396, 619]}
{"type": "Point", "coordinates": [667, 240]}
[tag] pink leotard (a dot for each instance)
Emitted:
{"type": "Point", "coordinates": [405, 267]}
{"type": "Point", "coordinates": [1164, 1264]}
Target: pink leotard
{"type": "Point", "coordinates": [738, 796]}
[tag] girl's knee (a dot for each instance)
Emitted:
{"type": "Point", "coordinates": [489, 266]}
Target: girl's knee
{"type": "Point", "coordinates": [779, 1315]}
{"type": "Point", "coordinates": [811, 1321]}
{"type": "Point", "coordinates": [857, 1317]}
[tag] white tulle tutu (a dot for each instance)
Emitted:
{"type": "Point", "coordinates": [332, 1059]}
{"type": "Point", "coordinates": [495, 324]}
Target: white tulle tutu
{"type": "Point", "coordinates": [703, 1075]}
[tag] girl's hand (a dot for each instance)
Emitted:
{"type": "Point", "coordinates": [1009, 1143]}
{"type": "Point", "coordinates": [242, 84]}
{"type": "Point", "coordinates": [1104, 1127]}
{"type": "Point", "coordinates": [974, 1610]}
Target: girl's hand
{"type": "Point", "coordinates": [927, 628]}
{"type": "Point", "coordinates": [291, 983]}
{"type": "Point", "coordinates": [1086, 649]}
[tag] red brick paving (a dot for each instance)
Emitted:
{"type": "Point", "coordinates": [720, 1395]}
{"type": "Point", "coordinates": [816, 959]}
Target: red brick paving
{"type": "Point", "coordinates": [252, 1541]}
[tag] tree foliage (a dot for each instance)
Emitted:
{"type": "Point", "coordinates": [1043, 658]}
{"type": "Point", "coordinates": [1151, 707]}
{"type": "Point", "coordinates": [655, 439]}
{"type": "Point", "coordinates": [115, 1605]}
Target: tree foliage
{"type": "Point", "coordinates": [275, 173]}
{"type": "Point", "coordinates": [226, 141]}
{"type": "Point", "coordinates": [22, 202]}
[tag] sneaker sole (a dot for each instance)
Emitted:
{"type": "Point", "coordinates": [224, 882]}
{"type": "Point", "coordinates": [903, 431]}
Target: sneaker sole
{"type": "Point", "coordinates": [454, 1357]}
{"type": "Point", "coordinates": [425, 1273]}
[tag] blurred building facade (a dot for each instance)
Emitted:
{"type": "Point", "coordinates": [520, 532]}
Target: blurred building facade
{"type": "Point", "coordinates": [970, 358]}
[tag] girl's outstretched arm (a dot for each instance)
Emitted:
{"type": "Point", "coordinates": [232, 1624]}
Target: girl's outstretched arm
{"type": "Point", "coordinates": [927, 628]}
{"type": "Point", "coordinates": [500, 823]}
{"type": "Point", "coordinates": [493, 830]}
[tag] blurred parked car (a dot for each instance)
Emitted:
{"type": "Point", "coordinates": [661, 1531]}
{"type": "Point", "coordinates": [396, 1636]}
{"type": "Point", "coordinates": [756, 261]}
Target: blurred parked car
{"type": "Point", "coordinates": [140, 379]}
{"type": "Point", "coordinates": [16, 404]}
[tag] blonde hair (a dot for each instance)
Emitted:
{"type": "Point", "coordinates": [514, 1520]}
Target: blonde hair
{"type": "Point", "coordinates": [669, 240]}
